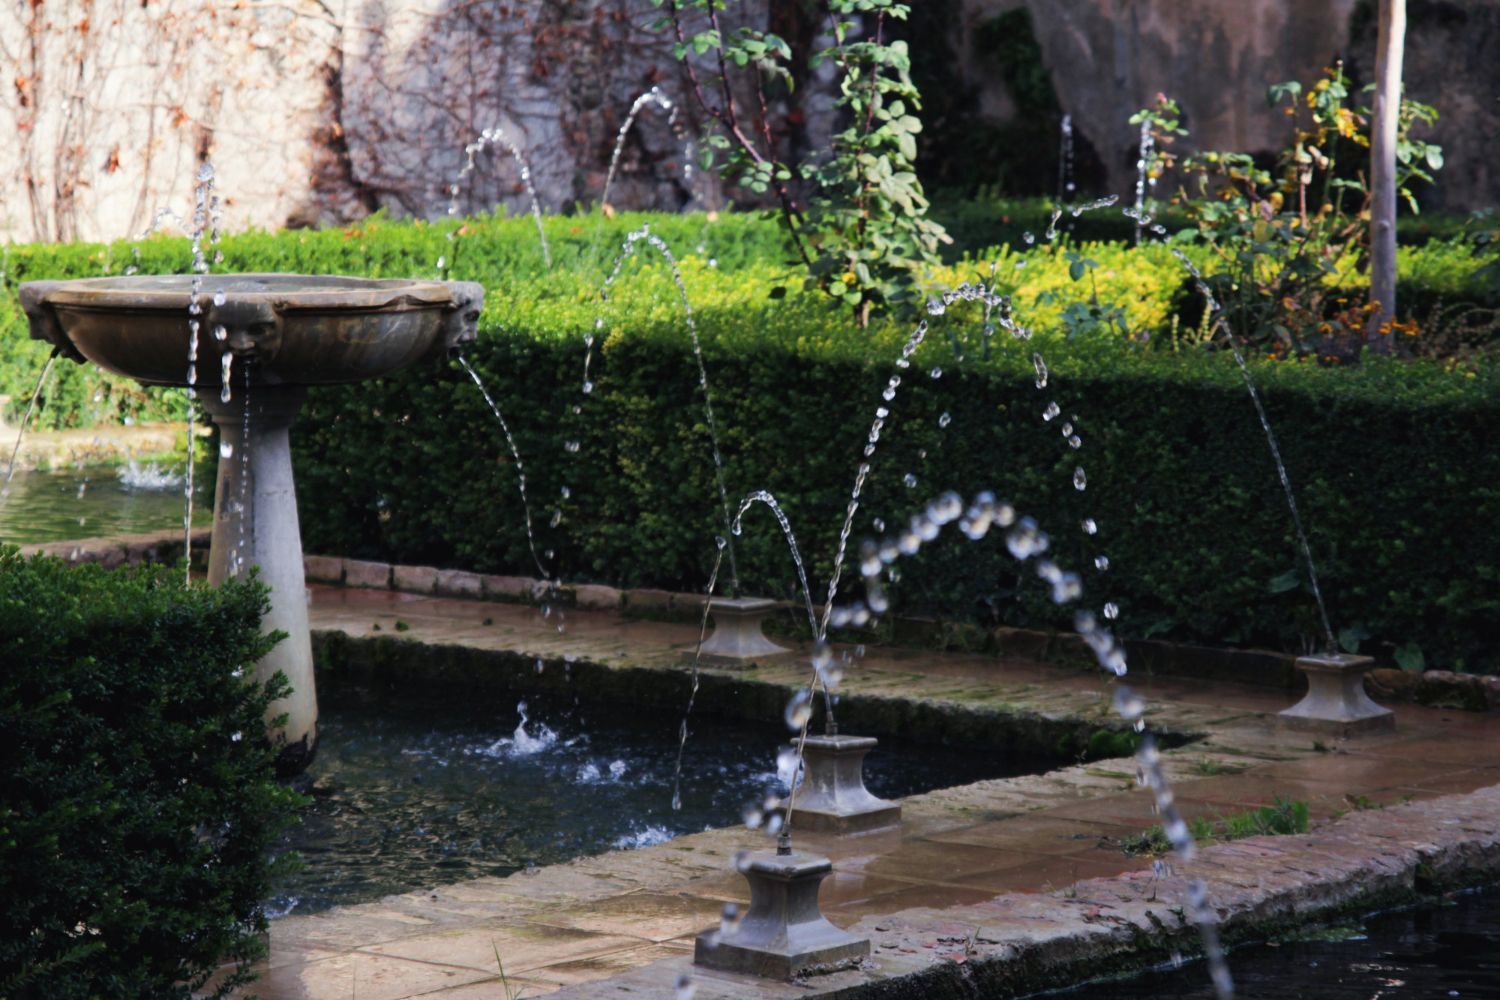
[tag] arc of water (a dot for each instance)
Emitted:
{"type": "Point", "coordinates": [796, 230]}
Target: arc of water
{"type": "Point", "coordinates": [15, 451]}
{"type": "Point", "coordinates": [1065, 184]}
{"type": "Point", "coordinates": [632, 242]}
{"type": "Point", "coordinates": [1218, 323]}
{"type": "Point", "coordinates": [1142, 172]}
{"type": "Point", "coordinates": [515, 454]}
{"type": "Point", "coordinates": [1025, 541]}
{"type": "Point", "coordinates": [758, 496]}
{"type": "Point", "coordinates": [665, 103]}
{"type": "Point", "coordinates": [967, 291]}
{"type": "Point", "coordinates": [489, 137]}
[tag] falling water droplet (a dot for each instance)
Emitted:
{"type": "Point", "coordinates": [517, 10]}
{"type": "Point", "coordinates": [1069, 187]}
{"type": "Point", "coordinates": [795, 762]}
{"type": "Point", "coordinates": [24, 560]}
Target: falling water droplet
{"type": "Point", "coordinates": [936, 373]}
{"type": "Point", "coordinates": [1075, 442]}
{"type": "Point", "coordinates": [1051, 411]}
{"type": "Point", "coordinates": [1080, 481]}
{"type": "Point", "coordinates": [571, 446]}
{"type": "Point", "coordinates": [798, 710]}
{"type": "Point", "coordinates": [1090, 527]}
{"type": "Point", "coordinates": [1130, 705]}
{"type": "Point", "coordinates": [1067, 428]}
{"type": "Point", "coordinates": [945, 420]}
{"type": "Point", "coordinates": [910, 479]}
{"type": "Point", "coordinates": [935, 307]}
{"type": "Point", "coordinates": [1101, 562]}
{"type": "Point", "coordinates": [588, 387]}
{"type": "Point", "coordinates": [1111, 611]}
{"type": "Point", "coordinates": [225, 449]}
{"type": "Point", "coordinates": [1041, 370]}
{"type": "Point", "coordinates": [219, 297]}
{"type": "Point", "coordinates": [1029, 238]}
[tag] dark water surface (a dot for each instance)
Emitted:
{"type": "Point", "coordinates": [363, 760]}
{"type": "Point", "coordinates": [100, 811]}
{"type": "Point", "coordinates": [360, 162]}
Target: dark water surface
{"type": "Point", "coordinates": [411, 794]}
{"type": "Point", "coordinates": [1447, 951]}
{"type": "Point", "coordinates": [99, 500]}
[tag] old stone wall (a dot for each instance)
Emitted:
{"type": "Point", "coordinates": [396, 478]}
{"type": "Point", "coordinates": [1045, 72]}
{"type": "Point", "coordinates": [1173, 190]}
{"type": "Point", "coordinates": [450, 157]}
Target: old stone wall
{"type": "Point", "coordinates": [1108, 58]}
{"type": "Point", "coordinates": [319, 111]}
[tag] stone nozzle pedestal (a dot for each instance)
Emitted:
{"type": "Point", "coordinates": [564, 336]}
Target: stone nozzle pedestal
{"type": "Point", "coordinates": [737, 634]}
{"type": "Point", "coordinates": [1336, 702]}
{"type": "Point", "coordinates": [832, 797]}
{"type": "Point", "coordinates": [783, 933]}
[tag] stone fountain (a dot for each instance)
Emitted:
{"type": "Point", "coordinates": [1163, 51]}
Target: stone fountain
{"type": "Point", "coordinates": [270, 336]}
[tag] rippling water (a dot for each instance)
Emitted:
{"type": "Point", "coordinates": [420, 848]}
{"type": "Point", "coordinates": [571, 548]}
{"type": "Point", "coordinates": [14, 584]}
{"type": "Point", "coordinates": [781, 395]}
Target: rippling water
{"type": "Point", "coordinates": [1451, 951]}
{"type": "Point", "coordinates": [97, 501]}
{"type": "Point", "coordinates": [409, 795]}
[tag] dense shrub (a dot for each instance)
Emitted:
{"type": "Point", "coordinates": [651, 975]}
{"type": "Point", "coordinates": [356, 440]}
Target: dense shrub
{"type": "Point", "coordinates": [1387, 456]}
{"type": "Point", "coordinates": [1149, 286]}
{"type": "Point", "coordinates": [138, 804]}
{"type": "Point", "coordinates": [1387, 459]}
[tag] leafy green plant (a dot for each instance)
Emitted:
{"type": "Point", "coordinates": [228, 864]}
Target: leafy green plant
{"type": "Point", "coordinates": [1288, 240]}
{"type": "Point", "coordinates": [1283, 817]}
{"type": "Point", "coordinates": [140, 806]}
{"type": "Point", "coordinates": [1393, 436]}
{"type": "Point", "coordinates": [863, 231]}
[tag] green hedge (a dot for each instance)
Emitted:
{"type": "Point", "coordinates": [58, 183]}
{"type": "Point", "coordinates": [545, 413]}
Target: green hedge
{"type": "Point", "coordinates": [139, 805]}
{"type": "Point", "coordinates": [1388, 458]}
{"type": "Point", "coordinates": [1389, 461]}
{"type": "Point", "coordinates": [1149, 283]}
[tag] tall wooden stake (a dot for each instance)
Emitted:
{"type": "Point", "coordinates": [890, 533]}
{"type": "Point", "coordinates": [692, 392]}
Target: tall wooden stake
{"type": "Point", "coordinates": [1390, 44]}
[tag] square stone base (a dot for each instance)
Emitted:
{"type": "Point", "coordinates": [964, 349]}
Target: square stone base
{"type": "Point", "coordinates": [881, 817]}
{"type": "Point", "coordinates": [1338, 728]}
{"type": "Point", "coordinates": [826, 951]}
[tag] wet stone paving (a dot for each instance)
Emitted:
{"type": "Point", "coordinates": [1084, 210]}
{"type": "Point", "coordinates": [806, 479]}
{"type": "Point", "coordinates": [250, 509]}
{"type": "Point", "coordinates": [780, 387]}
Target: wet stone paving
{"type": "Point", "coordinates": [980, 874]}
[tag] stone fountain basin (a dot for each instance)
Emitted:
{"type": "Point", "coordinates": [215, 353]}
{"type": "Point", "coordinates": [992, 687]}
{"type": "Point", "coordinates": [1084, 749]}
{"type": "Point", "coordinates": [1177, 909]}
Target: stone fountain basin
{"type": "Point", "coordinates": [298, 329]}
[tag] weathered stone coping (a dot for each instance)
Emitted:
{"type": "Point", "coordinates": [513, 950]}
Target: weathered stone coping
{"type": "Point", "coordinates": [95, 445]}
{"type": "Point", "coordinates": [1019, 943]}
{"type": "Point", "coordinates": [1150, 657]}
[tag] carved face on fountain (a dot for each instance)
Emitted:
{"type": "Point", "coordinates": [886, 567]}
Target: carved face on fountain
{"type": "Point", "coordinates": [296, 329]}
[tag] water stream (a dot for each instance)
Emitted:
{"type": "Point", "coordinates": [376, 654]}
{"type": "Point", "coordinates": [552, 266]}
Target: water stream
{"type": "Point", "coordinates": [491, 136]}
{"type": "Point", "coordinates": [515, 452]}
{"type": "Point", "coordinates": [1265, 422]}
{"type": "Point", "coordinates": [15, 451]}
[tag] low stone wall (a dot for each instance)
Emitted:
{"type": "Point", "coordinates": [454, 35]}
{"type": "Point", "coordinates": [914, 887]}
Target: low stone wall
{"type": "Point", "coordinates": [1017, 944]}
{"type": "Point", "coordinates": [1261, 668]}
{"type": "Point", "coordinates": [96, 445]}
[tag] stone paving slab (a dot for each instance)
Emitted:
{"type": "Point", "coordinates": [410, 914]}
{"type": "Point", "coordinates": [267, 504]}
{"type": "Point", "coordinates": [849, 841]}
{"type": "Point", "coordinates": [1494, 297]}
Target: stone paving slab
{"type": "Point", "coordinates": [992, 877]}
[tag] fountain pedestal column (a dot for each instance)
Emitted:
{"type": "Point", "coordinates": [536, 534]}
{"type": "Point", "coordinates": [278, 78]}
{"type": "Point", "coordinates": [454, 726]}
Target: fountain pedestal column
{"type": "Point", "coordinates": [1336, 702]}
{"type": "Point", "coordinates": [833, 797]}
{"type": "Point", "coordinates": [783, 933]}
{"type": "Point", "coordinates": [255, 524]}
{"type": "Point", "coordinates": [737, 634]}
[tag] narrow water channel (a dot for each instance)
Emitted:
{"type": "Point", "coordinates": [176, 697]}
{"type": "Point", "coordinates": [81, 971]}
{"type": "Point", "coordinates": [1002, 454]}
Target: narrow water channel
{"type": "Point", "coordinates": [410, 793]}
{"type": "Point", "coordinates": [96, 501]}
{"type": "Point", "coordinates": [1450, 950]}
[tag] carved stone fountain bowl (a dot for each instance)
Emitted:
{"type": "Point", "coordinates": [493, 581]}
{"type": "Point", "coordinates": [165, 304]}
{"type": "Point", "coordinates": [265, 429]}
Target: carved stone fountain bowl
{"type": "Point", "coordinates": [296, 329]}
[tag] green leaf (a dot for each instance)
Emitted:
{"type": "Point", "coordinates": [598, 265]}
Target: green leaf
{"type": "Point", "coordinates": [1409, 657]}
{"type": "Point", "coordinates": [1290, 580]}
{"type": "Point", "coordinates": [1351, 637]}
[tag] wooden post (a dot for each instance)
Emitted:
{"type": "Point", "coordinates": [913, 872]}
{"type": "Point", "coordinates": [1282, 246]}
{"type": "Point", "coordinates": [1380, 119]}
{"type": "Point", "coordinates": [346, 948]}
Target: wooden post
{"type": "Point", "coordinates": [1389, 47]}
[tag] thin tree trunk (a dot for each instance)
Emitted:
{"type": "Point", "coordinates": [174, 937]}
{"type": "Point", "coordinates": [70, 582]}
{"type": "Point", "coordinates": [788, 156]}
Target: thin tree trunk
{"type": "Point", "coordinates": [1389, 46]}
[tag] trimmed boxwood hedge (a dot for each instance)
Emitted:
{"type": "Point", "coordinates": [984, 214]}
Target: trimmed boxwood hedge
{"type": "Point", "coordinates": [138, 804]}
{"type": "Point", "coordinates": [1388, 457]}
{"type": "Point", "coordinates": [1395, 482]}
